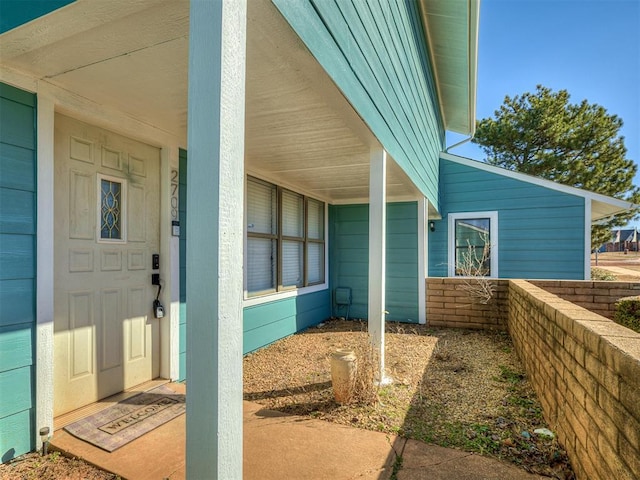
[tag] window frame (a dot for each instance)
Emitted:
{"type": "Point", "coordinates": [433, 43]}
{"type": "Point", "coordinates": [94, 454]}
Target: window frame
{"type": "Point", "coordinates": [493, 239]}
{"type": "Point", "coordinates": [280, 291]}
{"type": "Point", "coordinates": [123, 210]}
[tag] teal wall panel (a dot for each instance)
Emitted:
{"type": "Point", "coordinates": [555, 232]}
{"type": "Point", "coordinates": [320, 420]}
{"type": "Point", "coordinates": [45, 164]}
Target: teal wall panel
{"type": "Point", "coordinates": [349, 258]}
{"type": "Point", "coordinates": [16, 437]}
{"type": "Point", "coordinates": [375, 52]}
{"type": "Point", "coordinates": [16, 346]}
{"type": "Point", "coordinates": [17, 121]}
{"type": "Point", "coordinates": [541, 231]}
{"type": "Point", "coordinates": [14, 13]}
{"type": "Point", "coordinates": [17, 207]}
{"type": "Point", "coordinates": [17, 268]}
{"type": "Point", "coordinates": [17, 256]}
{"type": "Point", "coordinates": [17, 167]}
{"type": "Point", "coordinates": [268, 322]}
{"type": "Point", "coordinates": [16, 302]}
{"type": "Point", "coordinates": [15, 391]}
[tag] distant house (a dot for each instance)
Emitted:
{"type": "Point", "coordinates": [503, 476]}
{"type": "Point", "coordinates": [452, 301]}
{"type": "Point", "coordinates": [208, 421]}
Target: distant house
{"type": "Point", "coordinates": [314, 159]}
{"type": "Point", "coordinates": [623, 240]}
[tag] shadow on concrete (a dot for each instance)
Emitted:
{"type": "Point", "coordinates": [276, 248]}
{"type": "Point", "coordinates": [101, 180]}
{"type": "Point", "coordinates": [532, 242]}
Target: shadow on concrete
{"type": "Point", "coordinates": [312, 387]}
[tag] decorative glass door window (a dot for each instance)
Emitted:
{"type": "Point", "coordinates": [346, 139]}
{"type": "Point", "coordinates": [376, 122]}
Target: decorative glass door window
{"type": "Point", "coordinates": [111, 209]}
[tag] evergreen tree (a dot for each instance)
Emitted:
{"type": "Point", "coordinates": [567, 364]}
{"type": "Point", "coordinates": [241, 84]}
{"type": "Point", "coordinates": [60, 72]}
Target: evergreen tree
{"type": "Point", "coordinates": [579, 145]}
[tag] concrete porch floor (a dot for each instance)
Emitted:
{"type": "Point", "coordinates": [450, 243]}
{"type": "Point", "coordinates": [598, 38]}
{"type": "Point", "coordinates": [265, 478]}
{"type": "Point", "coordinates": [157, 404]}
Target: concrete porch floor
{"type": "Point", "coordinates": [280, 446]}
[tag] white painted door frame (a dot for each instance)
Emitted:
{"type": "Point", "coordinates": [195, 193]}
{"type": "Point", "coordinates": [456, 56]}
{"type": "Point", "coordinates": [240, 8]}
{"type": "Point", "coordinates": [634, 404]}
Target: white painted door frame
{"type": "Point", "coordinates": [50, 100]}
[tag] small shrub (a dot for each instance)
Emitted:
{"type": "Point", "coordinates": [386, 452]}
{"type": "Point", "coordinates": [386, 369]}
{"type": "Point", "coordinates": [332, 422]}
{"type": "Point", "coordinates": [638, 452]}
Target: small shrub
{"type": "Point", "coordinates": [366, 388]}
{"type": "Point", "coordinates": [473, 267]}
{"type": "Point", "coordinates": [441, 351]}
{"type": "Point", "coordinates": [600, 274]}
{"type": "Point", "coordinates": [628, 313]}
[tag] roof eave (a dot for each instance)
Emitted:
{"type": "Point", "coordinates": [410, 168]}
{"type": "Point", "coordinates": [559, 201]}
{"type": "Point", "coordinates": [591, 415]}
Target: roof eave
{"type": "Point", "coordinates": [455, 72]}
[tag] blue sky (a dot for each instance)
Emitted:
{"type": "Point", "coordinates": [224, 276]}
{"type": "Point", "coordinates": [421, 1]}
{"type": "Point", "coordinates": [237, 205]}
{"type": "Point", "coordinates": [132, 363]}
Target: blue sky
{"type": "Point", "coordinates": [591, 48]}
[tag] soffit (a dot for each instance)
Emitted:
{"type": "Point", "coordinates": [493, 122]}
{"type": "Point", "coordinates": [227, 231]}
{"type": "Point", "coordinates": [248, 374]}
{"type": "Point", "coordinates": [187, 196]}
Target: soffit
{"type": "Point", "coordinates": [451, 28]}
{"type": "Point", "coordinates": [133, 57]}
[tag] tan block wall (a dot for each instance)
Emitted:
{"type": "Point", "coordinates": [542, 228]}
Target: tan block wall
{"type": "Point", "coordinates": [586, 372]}
{"type": "Point", "coordinates": [450, 305]}
{"type": "Point", "coordinates": [597, 296]}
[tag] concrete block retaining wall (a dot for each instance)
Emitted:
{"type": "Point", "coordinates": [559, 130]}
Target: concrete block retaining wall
{"type": "Point", "coordinates": [585, 370]}
{"type": "Point", "coordinates": [450, 305]}
{"type": "Point", "coordinates": [597, 296]}
{"type": "Point", "coordinates": [584, 367]}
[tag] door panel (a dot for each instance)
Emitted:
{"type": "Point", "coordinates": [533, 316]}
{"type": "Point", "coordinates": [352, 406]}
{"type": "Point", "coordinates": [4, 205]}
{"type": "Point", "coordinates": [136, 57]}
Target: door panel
{"type": "Point", "coordinates": [106, 229]}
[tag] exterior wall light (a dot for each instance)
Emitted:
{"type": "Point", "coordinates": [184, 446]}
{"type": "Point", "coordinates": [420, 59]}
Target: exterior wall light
{"type": "Point", "coordinates": [432, 226]}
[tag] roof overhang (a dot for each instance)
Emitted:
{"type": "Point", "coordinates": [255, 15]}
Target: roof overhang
{"type": "Point", "coordinates": [602, 206]}
{"type": "Point", "coordinates": [123, 66]}
{"type": "Point", "coordinates": [451, 30]}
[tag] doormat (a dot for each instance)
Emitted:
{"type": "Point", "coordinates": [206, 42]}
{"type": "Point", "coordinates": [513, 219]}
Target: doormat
{"type": "Point", "coordinates": [129, 419]}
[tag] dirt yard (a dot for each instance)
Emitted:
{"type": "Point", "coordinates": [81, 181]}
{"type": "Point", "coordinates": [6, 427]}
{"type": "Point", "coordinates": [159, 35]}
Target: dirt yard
{"type": "Point", "coordinates": [52, 467]}
{"type": "Point", "coordinates": [455, 388]}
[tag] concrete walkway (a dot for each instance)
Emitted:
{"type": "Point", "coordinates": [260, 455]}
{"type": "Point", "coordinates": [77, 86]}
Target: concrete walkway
{"type": "Point", "coordinates": [619, 270]}
{"type": "Point", "coordinates": [279, 446]}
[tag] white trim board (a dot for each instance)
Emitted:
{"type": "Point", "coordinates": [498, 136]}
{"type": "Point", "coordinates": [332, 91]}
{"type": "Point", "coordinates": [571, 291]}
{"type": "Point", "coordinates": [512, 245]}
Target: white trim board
{"type": "Point", "coordinates": [423, 255]}
{"type": "Point", "coordinates": [619, 205]}
{"type": "Point", "coordinates": [493, 238]}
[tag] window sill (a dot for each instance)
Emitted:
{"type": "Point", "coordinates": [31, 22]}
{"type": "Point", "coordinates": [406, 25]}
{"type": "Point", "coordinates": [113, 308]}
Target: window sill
{"type": "Point", "coordinates": [274, 297]}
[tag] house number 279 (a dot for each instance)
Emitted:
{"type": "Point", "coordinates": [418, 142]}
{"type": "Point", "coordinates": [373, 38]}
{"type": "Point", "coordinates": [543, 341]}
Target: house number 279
{"type": "Point", "coordinates": [174, 194]}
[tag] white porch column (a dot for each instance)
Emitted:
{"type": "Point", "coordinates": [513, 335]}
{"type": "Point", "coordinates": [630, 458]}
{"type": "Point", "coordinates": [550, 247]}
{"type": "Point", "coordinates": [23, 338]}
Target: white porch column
{"type": "Point", "coordinates": [217, 52]}
{"type": "Point", "coordinates": [587, 239]}
{"type": "Point", "coordinates": [377, 257]}
{"type": "Point", "coordinates": [423, 257]}
{"type": "Point", "coordinates": [44, 278]}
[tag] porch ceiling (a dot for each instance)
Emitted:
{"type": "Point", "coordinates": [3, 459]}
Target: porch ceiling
{"type": "Point", "coordinates": [132, 57]}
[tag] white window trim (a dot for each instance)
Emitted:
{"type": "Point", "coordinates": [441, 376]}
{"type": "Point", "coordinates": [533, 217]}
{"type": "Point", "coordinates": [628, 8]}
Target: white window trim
{"type": "Point", "coordinates": [493, 235]}
{"type": "Point", "coordinates": [249, 301]}
{"type": "Point", "coordinates": [123, 210]}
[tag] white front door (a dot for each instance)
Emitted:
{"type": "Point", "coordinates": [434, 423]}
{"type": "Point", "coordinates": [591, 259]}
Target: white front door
{"type": "Point", "coordinates": [106, 229]}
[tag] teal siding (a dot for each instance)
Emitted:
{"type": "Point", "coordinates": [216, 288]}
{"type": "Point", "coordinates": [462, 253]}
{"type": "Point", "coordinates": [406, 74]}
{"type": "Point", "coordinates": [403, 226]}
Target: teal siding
{"type": "Point", "coordinates": [349, 258]}
{"type": "Point", "coordinates": [375, 53]}
{"type": "Point", "coordinates": [17, 269]}
{"type": "Point", "coordinates": [182, 215]}
{"type": "Point", "coordinates": [541, 231]}
{"type": "Point", "coordinates": [14, 13]}
{"type": "Point", "coordinates": [268, 322]}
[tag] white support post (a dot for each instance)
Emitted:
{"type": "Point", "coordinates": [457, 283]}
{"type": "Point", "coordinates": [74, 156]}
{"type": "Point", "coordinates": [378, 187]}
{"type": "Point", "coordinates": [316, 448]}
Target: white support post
{"type": "Point", "coordinates": [45, 273]}
{"type": "Point", "coordinates": [217, 57]}
{"type": "Point", "coordinates": [423, 256]}
{"type": "Point", "coordinates": [377, 250]}
{"type": "Point", "coordinates": [587, 239]}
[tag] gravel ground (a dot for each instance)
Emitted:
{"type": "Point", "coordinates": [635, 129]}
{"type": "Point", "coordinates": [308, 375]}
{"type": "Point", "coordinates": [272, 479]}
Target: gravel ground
{"type": "Point", "coordinates": [54, 466]}
{"type": "Point", "coordinates": [456, 388]}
